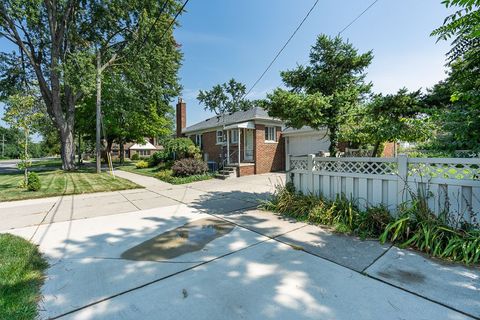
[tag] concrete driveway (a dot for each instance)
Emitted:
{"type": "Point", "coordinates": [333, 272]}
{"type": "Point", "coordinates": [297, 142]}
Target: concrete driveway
{"type": "Point", "coordinates": [203, 251]}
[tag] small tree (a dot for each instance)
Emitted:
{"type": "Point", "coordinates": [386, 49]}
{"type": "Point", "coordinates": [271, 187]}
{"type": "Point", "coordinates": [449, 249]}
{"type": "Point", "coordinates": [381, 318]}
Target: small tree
{"type": "Point", "coordinates": [224, 98]}
{"type": "Point", "coordinates": [389, 118]}
{"type": "Point", "coordinates": [322, 93]}
{"type": "Point", "coordinates": [22, 112]}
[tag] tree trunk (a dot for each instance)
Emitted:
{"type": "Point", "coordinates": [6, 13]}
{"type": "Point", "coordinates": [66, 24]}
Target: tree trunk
{"type": "Point", "coordinates": [332, 133]}
{"type": "Point", "coordinates": [122, 151]}
{"type": "Point", "coordinates": [375, 149]}
{"type": "Point", "coordinates": [67, 149]}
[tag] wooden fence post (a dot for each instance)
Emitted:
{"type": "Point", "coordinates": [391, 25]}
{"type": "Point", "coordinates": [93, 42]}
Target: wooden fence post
{"type": "Point", "coordinates": [402, 165]}
{"type": "Point", "coordinates": [287, 168]}
{"type": "Point", "coordinates": [310, 158]}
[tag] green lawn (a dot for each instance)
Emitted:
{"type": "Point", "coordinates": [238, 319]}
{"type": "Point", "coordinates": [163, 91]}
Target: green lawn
{"type": "Point", "coordinates": [49, 163]}
{"type": "Point", "coordinates": [150, 172]}
{"type": "Point", "coordinates": [58, 182]}
{"type": "Point", "coordinates": [21, 275]}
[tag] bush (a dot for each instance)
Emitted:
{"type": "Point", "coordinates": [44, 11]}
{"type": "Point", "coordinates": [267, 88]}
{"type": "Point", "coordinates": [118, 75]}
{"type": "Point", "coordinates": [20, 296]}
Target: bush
{"type": "Point", "coordinates": [188, 167]}
{"type": "Point", "coordinates": [142, 164]}
{"type": "Point", "coordinates": [34, 183]}
{"type": "Point", "coordinates": [167, 176]}
{"type": "Point", "coordinates": [181, 148]}
{"type": "Point", "coordinates": [135, 157]}
{"type": "Point", "coordinates": [158, 157]}
{"type": "Point", "coordinates": [416, 226]}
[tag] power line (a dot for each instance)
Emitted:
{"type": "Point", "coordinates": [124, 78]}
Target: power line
{"type": "Point", "coordinates": [281, 50]}
{"type": "Point", "coordinates": [301, 23]}
{"type": "Point", "coordinates": [175, 18]}
{"type": "Point", "coordinates": [358, 17]}
{"type": "Point", "coordinates": [157, 19]}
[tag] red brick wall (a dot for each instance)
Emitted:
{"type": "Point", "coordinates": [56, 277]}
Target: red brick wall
{"type": "Point", "coordinates": [389, 150]}
{"type": "Point", "coordinates": [246, 170]}
{"type": "Point", "coordinates": [209, 146]}
{"type": "Point", "coordinates": [268, 156]}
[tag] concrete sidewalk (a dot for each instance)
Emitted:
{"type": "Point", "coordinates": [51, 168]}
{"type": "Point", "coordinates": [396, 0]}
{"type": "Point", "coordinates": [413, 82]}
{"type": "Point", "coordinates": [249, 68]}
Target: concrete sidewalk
{"type": "Point", "coordinates": [266, 267]}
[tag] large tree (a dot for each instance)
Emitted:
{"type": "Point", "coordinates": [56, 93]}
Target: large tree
{"type": "Point", "coordinates": [59, 40]}
{"type": "Point", "coordinates": [455, 102]}
{"type": "Point", "coordinates": [322, 93]}
{"type": "Point", "coordinates": [225, 98]}
{"type": "Point", "coordinates": [387, 118]}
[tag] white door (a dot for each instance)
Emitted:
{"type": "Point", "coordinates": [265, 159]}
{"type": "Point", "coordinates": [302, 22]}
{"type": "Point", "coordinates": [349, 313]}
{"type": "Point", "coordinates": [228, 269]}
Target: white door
{"type": "Point", "coordinates": [248, 149]}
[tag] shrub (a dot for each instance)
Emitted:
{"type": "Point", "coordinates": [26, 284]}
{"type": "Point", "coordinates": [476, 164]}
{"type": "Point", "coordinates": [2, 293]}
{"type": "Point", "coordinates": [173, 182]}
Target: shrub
{"type": "Point", "coordinates": [158, 157]}
{"type": "Point", "coordinates": [135, 157]}
{"type": "Point", "coordinates": [181, 148]}
{"type": "Point", "coordinates": [167, 176]}
{"type": "Point", "coordinates": [188, 167]}
{"type": "Point", "coordinates": [373, 221]}
{"type": "Point", "coordinates": [142, 164]}
{"type": "Point", "coordinates": [416, 226]}
{"type": "Point", "coordinates": [34, 183]}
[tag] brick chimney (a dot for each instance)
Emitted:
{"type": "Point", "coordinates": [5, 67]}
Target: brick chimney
{"type": "Point", "coordinates": [181, 116]}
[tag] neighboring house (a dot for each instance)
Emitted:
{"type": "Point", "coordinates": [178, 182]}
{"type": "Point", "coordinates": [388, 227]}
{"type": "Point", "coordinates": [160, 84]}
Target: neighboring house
{"type": "Point", "coordinates": [250, 141]}
{"type": "Point", "coordinates": [149, 146]}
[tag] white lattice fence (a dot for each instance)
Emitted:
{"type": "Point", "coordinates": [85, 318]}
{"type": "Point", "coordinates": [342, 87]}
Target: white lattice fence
{"type": "Point", "coordinates": [450, 184]}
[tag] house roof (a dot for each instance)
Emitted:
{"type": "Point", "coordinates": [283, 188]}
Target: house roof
{"type": "Point", "coordinates": [303, 130]}
{"type": "Point", "coordinates": [146, 146]}
{"type": "Point", "coordinates": [256, 113]}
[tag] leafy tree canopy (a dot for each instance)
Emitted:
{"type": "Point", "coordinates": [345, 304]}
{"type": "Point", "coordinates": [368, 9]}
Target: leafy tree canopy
{"type": "Point", "coordinates": [322, 93]}
{"type": "Point", "coordinates": [463, 27]}
{"type": "Point", "coordinates": [388, 118]}
{"type": "Point", "coordinates": [58, 43]}
{"type": "Point", "coordinates": [225, 98]}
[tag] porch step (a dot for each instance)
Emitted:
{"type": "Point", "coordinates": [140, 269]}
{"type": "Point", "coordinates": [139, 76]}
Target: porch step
{"type": "Point", "coordinates": [227, 172]}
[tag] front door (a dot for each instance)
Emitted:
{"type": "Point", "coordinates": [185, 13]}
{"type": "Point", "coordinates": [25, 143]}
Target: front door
{"type": "Point", "coordinates": [248, 156]}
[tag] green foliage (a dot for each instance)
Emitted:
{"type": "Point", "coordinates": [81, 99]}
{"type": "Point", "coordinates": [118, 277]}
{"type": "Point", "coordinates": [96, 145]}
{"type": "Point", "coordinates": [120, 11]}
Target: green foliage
{"type": "Point", "coordinates": [322, 93]}
{"type": "Point", "coordinates": [454, 107]}
{"type": "Point", "coordinates": [340, 213]}
{"type": "Point", "coordinates": [135, 157]}
{"type": "Point", "coordinates": [21, 276]}
{"type": "Point", "coordinates": [34, 183]}
{"type": "Point", "coordinates": [22, 112]}
{"type": "Point", "coordinates": [389, 118]}
{"type": "Point", "coordinates": [225, 98]}
{"type": "Point", "coordinates": [463, 26]}
{"type": "Point", "coordinates": [180, 148]}
{"type": "Point", "coordinates": [142, 164]}
{"type": "Point", "coordinates": [167, 176]}
{"type": "Point", "coordinates": [416, 226]}
{"type": "Point", "coordinates": [189, 167]}
{"type": "Point", "coordinates": [139, 62]}
{"type": "Point", "coordinates": [158, 157]}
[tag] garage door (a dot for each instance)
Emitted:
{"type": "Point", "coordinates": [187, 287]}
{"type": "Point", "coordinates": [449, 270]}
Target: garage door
{"type": "Point", "coordinates": [306, 144]}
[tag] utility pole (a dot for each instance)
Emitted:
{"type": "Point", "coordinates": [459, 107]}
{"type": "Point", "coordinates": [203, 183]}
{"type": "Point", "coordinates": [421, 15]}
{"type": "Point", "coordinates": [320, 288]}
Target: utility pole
{"type": "Point", "coordinates": [98, 83]}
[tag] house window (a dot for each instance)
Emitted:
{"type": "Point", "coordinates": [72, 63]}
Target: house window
{"type": "Point", "coordinates": [270, 134]}
{"type": "Point", "coordinates": [198, 140]}
{"type": "Point", "coordinates": [234, 136]}
{"type": "Point", "coordinates": [220, 137]}
{"type": "Point", "coordinates": [144, 152]}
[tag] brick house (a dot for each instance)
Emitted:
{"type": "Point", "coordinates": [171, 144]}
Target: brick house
{"type": "Point", "coordinates": [251, 142]}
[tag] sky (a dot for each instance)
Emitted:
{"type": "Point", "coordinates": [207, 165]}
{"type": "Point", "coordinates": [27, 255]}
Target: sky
{"type": "Point", "coordinates": [224, 39]}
